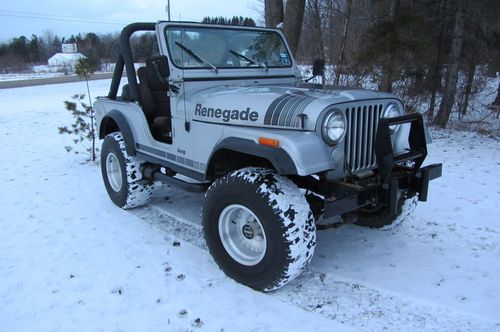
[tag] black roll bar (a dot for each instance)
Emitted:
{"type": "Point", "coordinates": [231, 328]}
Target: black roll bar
{"type": "Point", "coordinates": [126, 60]}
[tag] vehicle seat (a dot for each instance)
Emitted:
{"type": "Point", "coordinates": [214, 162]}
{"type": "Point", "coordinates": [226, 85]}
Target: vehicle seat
{"type": "Point", "coordinates": [155, 102]}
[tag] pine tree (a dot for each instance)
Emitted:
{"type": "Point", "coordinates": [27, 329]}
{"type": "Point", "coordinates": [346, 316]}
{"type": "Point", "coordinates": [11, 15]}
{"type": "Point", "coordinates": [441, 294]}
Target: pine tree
{"type": "Point", "coordinates": [84, 125]}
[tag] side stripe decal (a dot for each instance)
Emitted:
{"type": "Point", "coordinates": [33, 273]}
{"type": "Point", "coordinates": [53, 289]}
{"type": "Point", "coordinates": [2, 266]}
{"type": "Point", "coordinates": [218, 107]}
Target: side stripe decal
{"type": "Point", "coordinates": [284, 110]}
{"type": "Point", "coordinates": [172, 157]}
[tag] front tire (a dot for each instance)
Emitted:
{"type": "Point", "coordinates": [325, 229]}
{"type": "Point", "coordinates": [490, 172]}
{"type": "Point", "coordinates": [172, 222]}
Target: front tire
{"type": "Point", "coordinates": [378, 217]}
{"type": "Point", "coordinates": [258, 227]}
{"type": "Point", "coordinates": [122, 175]}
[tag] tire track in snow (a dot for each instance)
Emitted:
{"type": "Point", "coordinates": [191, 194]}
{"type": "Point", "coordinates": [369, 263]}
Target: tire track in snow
{"type": "Point", "coordinates": [161, 219]}
{"type": "Point", "coordinates": [342, 300]}
{"type": "Point", "coordinates": [371, 309]}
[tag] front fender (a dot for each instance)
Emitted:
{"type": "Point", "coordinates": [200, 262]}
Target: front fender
{"type": "Point", "coordinates": [306, 151]}
{"type": "Point", "coordinates": [277, 156]}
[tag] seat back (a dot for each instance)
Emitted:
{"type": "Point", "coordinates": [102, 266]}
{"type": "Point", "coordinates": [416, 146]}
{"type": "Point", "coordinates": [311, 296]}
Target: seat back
{"type": "Point", "coordinates": [158, 73]}
{"type": "Point", "coordinates": [153, 87]}
{"type": "Point", "coordinates": [145, 95]}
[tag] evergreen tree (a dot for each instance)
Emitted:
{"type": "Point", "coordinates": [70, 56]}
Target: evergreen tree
{"type": "Point", "coordinates": [235, 20]}
{"type": "Point", "coordinates": [84, 126]}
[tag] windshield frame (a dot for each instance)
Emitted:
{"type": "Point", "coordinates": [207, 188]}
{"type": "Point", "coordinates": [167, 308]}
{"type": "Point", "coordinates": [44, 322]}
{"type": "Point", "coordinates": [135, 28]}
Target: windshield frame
{"type": "Point", "coordinates": [226, 27]}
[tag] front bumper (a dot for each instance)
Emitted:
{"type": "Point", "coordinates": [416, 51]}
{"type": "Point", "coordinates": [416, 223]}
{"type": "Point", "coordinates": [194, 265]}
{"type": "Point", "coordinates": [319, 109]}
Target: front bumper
{"type": "Point", "coordinates": [394, 175]}
{"type": "Point", "coordinates": [347, 197]}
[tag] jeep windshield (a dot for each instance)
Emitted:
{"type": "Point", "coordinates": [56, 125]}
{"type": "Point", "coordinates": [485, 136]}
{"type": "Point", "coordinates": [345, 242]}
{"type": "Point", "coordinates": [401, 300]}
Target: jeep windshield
{"type": "Point", "coordinates": [226, 48]}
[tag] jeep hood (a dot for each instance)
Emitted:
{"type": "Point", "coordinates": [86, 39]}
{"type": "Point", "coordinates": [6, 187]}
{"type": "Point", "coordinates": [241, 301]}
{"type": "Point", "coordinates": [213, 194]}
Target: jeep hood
{"type": "Point", "coordinates": [269, 106]}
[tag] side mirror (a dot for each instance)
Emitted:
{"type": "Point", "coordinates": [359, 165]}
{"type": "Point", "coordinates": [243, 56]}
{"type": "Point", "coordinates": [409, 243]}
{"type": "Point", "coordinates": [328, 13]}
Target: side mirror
{"type": "Point", "coordinates": [318, 67]}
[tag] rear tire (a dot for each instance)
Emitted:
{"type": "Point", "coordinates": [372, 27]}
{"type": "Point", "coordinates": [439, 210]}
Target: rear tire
{"type": "Point", "coordinates": [122, 175]}
{"type": "Point", "coordinates": [258, 227]}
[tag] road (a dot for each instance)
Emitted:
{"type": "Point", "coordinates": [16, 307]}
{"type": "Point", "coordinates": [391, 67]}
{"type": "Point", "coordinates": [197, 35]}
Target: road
{"type": "Point", "coordinates": [51, 80]}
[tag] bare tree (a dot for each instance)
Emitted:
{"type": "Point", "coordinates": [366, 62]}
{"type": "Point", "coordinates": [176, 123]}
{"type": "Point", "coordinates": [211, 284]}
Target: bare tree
{"type": "Point", "coordinates": [292, 25]}
{"type": "Point", "coordinates": [388, 74]}
{"type": "Point", "coordinates": [496, 103]}
{"type": "Point", "coordinates": [393, 8]}
{"type": "Point", "coordinates": [497, 99]}
{"type": "Point", "coordinates": [312, 45]}
{"type": "Point", "coordinates": [453, 66]}
{"type": "Point", "coordinates": [274, 12]}
{"type": "Point", "coordinates": [48, 37]}
{"type": "Point", "coordinates": [435, 83]}
{"type": "Point", "coordinates": [292, 17]}
{"type": "Point", "coordinates": [340, 61]}
{"type": "Point", "coordinates": [471, 73]}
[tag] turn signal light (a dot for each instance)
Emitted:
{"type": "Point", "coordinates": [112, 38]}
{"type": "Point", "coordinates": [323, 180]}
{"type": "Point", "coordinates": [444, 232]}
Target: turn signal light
{"type": "Point", "coordinates": [274, 143]}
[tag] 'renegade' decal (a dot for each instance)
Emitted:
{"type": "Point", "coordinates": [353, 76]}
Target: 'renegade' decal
{"type": "Point", "coordinates": [226, 114]}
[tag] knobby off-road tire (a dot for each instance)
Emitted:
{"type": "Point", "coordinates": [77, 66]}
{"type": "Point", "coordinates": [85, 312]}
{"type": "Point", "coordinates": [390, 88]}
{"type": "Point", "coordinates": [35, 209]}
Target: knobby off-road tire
{"type": "Point", "coordinates": [258, 227]}
{"type": "Point", "coordinates": [379, 218]}
{"type": "Point", "coordinates": [122, 174]}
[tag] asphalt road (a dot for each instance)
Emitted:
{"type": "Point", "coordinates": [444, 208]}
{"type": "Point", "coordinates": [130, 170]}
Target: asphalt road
{"type": "Point", "coordinates": [51, 80]}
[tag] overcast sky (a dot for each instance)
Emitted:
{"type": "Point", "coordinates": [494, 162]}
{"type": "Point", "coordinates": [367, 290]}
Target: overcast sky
{"type": "Point", "coordinates": [25, 17]}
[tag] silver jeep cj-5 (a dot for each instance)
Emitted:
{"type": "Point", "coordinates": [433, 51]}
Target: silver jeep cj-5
{"type": "Point", "coordinates": [227, 108]}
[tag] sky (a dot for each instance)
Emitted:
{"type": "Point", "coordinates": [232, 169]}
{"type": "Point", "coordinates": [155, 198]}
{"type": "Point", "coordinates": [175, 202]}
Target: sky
{"type": "Point", "coordinates": [27, 17]}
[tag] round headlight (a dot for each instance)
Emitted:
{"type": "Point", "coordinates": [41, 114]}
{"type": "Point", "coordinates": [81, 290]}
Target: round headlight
{"type": "Point", "coordinates": [334, 127]}
{"type": "Point", "coordinates": [392, 111]}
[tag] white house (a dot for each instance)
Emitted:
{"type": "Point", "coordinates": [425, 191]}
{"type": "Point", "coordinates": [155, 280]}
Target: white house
{"type": "Point", "coordinates": [65, 61]}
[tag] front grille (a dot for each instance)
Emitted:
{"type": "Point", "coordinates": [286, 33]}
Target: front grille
{"type": "Point", "coordinates": [362, 123]}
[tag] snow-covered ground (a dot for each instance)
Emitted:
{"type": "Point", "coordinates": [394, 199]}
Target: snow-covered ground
{"type": "Point", "coordinates": [45, 71]}
{"type": "Point", "coordinates": [70, 260]}
{"type": "Point", "coordinates": [28, 76]}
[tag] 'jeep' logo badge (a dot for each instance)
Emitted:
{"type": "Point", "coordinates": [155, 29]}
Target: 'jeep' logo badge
{"type": "Point", "coordinates": [226, 115]}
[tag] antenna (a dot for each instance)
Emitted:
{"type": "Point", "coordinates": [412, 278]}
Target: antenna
{"type": "Point", "coordinates": [167, 9]}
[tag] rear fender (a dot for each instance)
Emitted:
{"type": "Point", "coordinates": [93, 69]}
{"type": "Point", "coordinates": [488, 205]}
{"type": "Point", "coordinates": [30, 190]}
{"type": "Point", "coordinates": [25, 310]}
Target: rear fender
{"type": "Point", "coordinates": [108, 123]}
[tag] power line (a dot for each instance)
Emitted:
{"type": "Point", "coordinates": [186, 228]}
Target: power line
{"type": "Point", "coordinates": [54, 15]}
{"type": "Point", "coordinates": [65, 18]}
{"type": "Point", "coordinates": [72, 19]}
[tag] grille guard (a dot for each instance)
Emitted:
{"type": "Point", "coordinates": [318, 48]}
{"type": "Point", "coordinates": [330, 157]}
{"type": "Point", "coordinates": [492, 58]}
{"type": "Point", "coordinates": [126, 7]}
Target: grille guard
{"type": "Point", "coordinates": [383, 146]}
{"type": "Point", "coordinates": [342, 198]}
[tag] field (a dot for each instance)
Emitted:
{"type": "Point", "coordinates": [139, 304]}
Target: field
{"type": "Point", "coordinates": [71, 260]}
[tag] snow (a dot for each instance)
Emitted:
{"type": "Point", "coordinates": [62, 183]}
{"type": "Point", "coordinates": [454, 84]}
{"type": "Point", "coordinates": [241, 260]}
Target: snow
{"type": "Point", "coordinates": [46, 71]}
{"type": "Point", "coordinates": [28, 76]}
{"type": "Point", "coordinates": [71, 260]}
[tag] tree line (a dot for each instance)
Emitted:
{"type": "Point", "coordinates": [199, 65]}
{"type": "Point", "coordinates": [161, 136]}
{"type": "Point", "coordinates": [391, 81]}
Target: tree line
{"type": "Point", "coordinates": [22, 53]}
{"type": "Point", "coordinates": [235, 20]}
{"type": "Point", "coordinates": [434, 53]}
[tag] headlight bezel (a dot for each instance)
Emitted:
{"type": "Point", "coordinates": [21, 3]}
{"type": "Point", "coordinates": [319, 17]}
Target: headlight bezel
{"type": "Point", "coordinates": [324, 128]}
{"type": "Point", "coordinates": [392, 107]}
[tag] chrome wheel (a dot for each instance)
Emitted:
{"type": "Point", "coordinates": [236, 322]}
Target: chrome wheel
{"type": "Point", "coordinates": [114, 172]}
{"type": "Point", "coordinates": [242, 235]}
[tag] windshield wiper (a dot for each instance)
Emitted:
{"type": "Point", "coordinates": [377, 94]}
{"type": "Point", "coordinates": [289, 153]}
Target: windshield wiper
{"type": "Point", "coordinates": [252, 61]}
{"type": "Point", "coordinates": [196, 56]}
